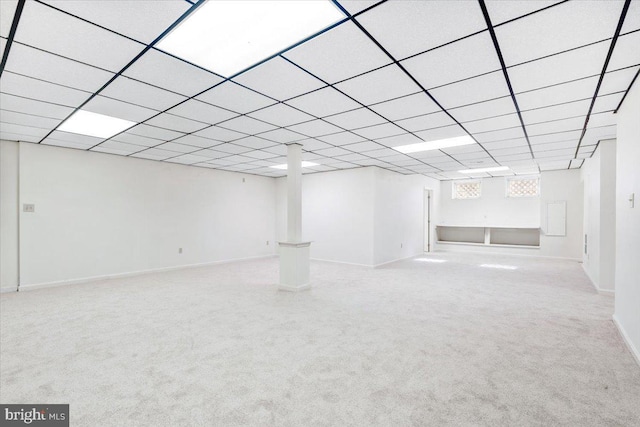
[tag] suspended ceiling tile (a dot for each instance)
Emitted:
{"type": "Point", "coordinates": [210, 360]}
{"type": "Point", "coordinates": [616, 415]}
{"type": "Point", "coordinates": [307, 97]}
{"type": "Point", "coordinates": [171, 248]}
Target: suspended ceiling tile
{"type": "Point", "coordinates": [457, 61]}
{"type": "Point", "coordinates": [81, 140]}
{"type": "Point", "coordinates": [36, 132]}
{"type": "Point", "coordinates": [196, 141]}
{"type": "Point", "coordinates": [48, 67]}
{"type": "Point", "coordinates": [510, 151]}
{"type": "Point", "coordinates": [27, 120]}
{"type": "Point", "coordinates": [556, 126]}
{"type": "Point", "coordinates": [66, 144]}
{"type": "Point", "coordinates": [427, 121]}
{"type": "Point", "coordinates": [553, 165]}
{"type": "Point", "coordinates": [567, 92]}
{"type": "Point", "coordinates": [607, 102]}
{"type": "Point", "coordinates": [121, 147]}
{"type": "Point", "coordinates": [573, 143]}
{"type": "Point", "coordinates": [482, 110]}
{"type": "Point", "coordinates": [279, 79]}
{"type": "Point", "coordinates": [119, 109]}
{"type": "Point", "coordinates": [282, 135]}
{"type": "Point", "coordinates": [8, 136]}
{"type": "Point", "coordinates": [583, 62]}
{"type": "Point", "coordinates": [356, 6]}
{"type": "Point", "coordinates": [376, 151]}
{"type": "Point", "coordinates": [441, 133]}
{"type": "Point", "coordinates": [220, 134]}
{"type": "Point", "coordinates": [187, 159]}
{"type": "Point", "coordinates": [617, 81]}
{"type": "Point", "coordinates": [130, 138]}
{"type": "Point", "coordinates": [176, 123]}
{"type": "Point", "coordinates": [3, 44]}
{"type": "Point", "coordinates": [494, 123]}
{"type": "Point", "coordinates": [411, 27]}
{"type": "Point", "coordinates": [406, 106]}
{"type": "Point", "coordinates": [247, 125]}
{"type": "Point", "coordinates": [154, 154]}
{"type": "Point", "coordinates": [165, 71]}
{"type": "Point", "coordinates": [7, 11]}
{"type": "Point", "coordinates": [556, 29]}
{"type": "Point", "coordinates": [261, 156]}
{"type": "Point", "coordinates": [236, 98]}
{"type": "Point", "coordinates": [281, 115]}
{"type": "Point", "coordinates": [546, 114]}
{"type": "Point", "coordinates": [632, 20]}
{"type": "Point", "coordinates": [596, 134]}
{"type": "Point", "coordinates": [335, 55]}
{"type": "Point", "coordinates": [477, 89]}
{"type": "Point", "coordinates": [499, 135]}
{"type": "Point", "coordinates": [379, 86]}
{"type": "Point", "coordinates": [154, 132]}
{"type": "Point", "coordinates": [561, 153]}
{"type": "Point", "coordinates": [202, 112]}
{"type": "Point", "coordinates": [56, 32]}
{"type": "Point", "coordinates": [365, 146]}
{"type": "Point", "coordinates": [132, 91]}
{"type": "Point", "coordinates": [501, 11]}
{"type": "Point", "coordinates": [324, 102]}
{"type": "Point", "coordinates": [341, 138]}
{"type": "Point", "coordinates": [254, 142]}
{"type": "Point", "coordinates": [379, 131]}
{"type": "Point", "coordinates": [140, 20]}
{"type": "Point", "coordinates": [355, 119]}
{"type": "Point", "coordinates": [491, 146]}
{"type": "Point", "coordinates": [177, 148]}
{"type": "Point", "coordinates": [625, 52]}
{"type": "Point", "coordinates": [576, 164]}
{"type": "Point", "coordinates": [315, 128]}
{"type": "Point", "coordinates": [602, 119]}
{"type": "Point", "coordinates": [28, 87]}
{"type": "Point", "coordinates": [118, 151]}
{"type": "Point", "coordinates": [573, 135]}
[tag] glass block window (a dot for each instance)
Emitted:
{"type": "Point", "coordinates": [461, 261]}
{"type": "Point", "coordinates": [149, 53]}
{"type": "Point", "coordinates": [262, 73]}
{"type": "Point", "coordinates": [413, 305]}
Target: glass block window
{"type": "Point", "coordinates": [466, 189]}
{"type": "Point", "coordinates": [523, 187]}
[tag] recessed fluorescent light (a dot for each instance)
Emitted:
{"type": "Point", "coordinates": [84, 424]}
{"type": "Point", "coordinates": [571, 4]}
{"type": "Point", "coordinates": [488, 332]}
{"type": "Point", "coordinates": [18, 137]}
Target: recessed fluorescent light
{"type": "Point", "coordinates": [228, 36]}
{"type": "Point", "coordinates": [491, 169]}
{"type": "Point", "coordinates": [304, 165]}
{"type": "Point", "coordinates": [435, 145]}
{"type": "Point", "coordinates": [94, 124]}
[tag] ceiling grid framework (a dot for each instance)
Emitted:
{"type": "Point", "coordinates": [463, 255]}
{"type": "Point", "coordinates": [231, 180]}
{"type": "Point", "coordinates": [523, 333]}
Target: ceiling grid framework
{"type": "Point", "coordinates": [535, 90]}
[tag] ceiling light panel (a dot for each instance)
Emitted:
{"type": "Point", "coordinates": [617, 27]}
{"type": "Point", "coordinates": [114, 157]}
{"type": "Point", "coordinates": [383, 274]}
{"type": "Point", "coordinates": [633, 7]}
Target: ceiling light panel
{"type": "Point", "coordinates": [445, 64]}
{"type": "Point", "coordinates": [172, 122]}
{"type": "Point", "coordinates": [57, 32]}
{"type": "Point", "coordinates": [410, 27]}
{"type": "Point", "coordinates": [126, 89]}
{"type": "Point", "coordinates": [406, 106]}
{"type": "Point", "coordinates": [140, 20]}
{"type": "Point", "coordinates": [162, 70]}
{"type": "Point", "coordinates": [556, 29]}
{"type": "Point", "coordinates": [229, 36]}
{"type": "Point", "coordinates": [92, 124]}
{"type": "Point", "coordinates": [324, 102]}
{"type": "Point", "coordinates": [626, 51]}
{"type": "Point", "coordinates": [281, 115]}
{"type": "Point", "coordinates": [247, 125]}
{"type": "Point", "coordinates": [427, 121]}
{"type": "Point", "coordinates": [477, 89]}
{"type": "Point", "coordinates": [315, 128]}
{"type": "Point", "coordinates": [48, 67]}
{"type": "Point", "coordinates": [202, 112]}
{"type": "Point", "coordinates": [501, 11]}
{"type": "Point", "coordinates": [583, 62]}
{"type": "Point", "coordinates": [236, 98]}
{"type": "Point", "coordinates": [27, 87]}
{"type": "Point", "coordinates": [435, 145]}
{"type": "Point", "coordinates": [279, 79]}
{"type": "Point", "coordinates": [559, 94]}
{"type": "Point", "coordinates": [119, 109]}
{"type": "Point", "coordinates": [343, 52]}
{"type": "Point", "coordinates": [355, 119]}
{"type": "Point", "coordinates": [378, 86]}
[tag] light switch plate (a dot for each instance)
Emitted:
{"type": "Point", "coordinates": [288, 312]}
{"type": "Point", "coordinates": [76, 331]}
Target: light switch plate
{"type": "Point", "coordinates": [28, 207]}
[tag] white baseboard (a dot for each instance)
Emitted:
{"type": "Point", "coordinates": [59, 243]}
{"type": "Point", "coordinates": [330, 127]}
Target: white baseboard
{"type": "Point", "coordinates": [609, 292]}
{"type": "Point", "coordinates": [461, 249]}
{"type": "Point", "coordinates": [342, 262]}
{"type": "Point", "coordinates": [396, 260]}
{"type": "Point", "coordinates": [632, 348]}
{"type": "Point", "coordinates": [7, 289]}
{"type": "Point", "coordinates": [31, 287]}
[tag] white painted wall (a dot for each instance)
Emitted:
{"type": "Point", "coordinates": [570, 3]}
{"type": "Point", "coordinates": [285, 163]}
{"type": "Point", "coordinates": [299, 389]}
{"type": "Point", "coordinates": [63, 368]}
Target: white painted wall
{"type": "Point", "coordinates": [9, 151]}
{"type": "Point", "coordinates": [101, 215]}
{"type": "Point", "coordinates": [599, 176]}
{"type": "Point", "coordinates": [492, 209]}
{"type": "Point", "coordinates": [627, 274]}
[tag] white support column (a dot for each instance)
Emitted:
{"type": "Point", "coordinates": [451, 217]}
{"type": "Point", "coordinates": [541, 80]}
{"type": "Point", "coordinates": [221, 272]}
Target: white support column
{"type": "Point", "coordinates": [294, 253]}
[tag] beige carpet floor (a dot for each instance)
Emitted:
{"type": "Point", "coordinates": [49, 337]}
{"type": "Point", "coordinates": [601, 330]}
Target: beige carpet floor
{"type": "Point", "coordinates": [418, 342]}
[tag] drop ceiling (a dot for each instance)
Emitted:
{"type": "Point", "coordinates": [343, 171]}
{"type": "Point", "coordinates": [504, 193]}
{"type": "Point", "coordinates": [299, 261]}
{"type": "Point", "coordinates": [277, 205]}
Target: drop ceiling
{"type": "Point", "coordinates": [534, 83]}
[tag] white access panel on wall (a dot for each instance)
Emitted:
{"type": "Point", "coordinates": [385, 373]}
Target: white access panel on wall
{"type": "Point", "coordinates": [556, 218]}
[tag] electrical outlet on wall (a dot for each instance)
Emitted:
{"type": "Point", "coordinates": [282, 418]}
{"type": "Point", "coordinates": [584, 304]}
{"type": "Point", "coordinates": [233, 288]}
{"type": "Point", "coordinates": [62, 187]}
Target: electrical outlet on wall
{"type": "Point", "coordinates": [179, 250]}
{"type": "Point", "coordinates": [28, 207]}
